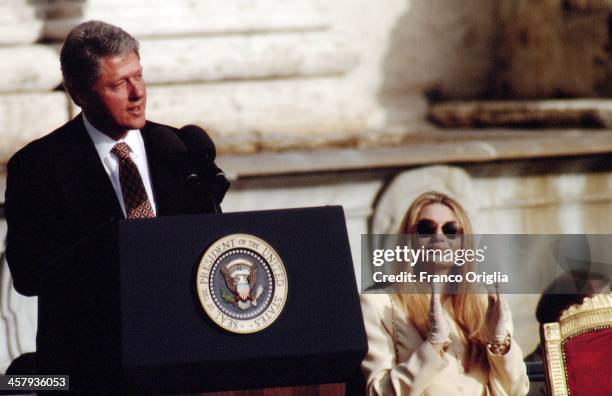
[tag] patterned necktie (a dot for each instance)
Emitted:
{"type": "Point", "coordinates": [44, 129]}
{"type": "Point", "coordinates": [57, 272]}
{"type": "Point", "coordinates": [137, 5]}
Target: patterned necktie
{"type": "Point", "coordinates": [137, 205]}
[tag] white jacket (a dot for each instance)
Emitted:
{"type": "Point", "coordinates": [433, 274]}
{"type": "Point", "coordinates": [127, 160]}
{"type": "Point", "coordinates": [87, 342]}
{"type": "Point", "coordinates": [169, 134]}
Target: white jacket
{"type": "Point", "coordinates": [400, 362]}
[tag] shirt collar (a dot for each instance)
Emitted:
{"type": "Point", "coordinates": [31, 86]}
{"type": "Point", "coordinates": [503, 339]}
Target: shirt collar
{"type": "Point", "coordinates": [104, 144]}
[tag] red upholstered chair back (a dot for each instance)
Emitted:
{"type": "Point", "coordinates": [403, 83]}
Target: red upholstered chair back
{"type": "Point", "coordinates": [578, 349]}
{"type": "Point", "coordinates": [588, 362]}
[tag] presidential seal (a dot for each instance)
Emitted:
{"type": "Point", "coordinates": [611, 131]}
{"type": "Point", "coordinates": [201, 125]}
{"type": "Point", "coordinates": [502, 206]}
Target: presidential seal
{"type": "Point", "coordinates": [242, 283]}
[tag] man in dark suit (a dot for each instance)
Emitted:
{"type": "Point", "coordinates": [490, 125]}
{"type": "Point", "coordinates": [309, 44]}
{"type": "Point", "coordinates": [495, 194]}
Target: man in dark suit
{"type": "Point", "coordinates": [107, 163]}
{"type": "Point", "coordinates": [61, 187]}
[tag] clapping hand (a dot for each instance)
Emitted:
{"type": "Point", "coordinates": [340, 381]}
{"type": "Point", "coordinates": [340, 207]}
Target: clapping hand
{"type": "Point", "coordinates": [439, 329]}
{"type": "Point", "coordinates": [497, 319]}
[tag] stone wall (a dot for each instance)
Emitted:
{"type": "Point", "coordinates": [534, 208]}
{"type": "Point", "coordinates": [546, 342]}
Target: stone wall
{"type": "Point", "coordinates": [258, 75]}
{"type": "Point", "coordinates": [313, 75]}
{"type": "Point", "coordinates": [554, 48]}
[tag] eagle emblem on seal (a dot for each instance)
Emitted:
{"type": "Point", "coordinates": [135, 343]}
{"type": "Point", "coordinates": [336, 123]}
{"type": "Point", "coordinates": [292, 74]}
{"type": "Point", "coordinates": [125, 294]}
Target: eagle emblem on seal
{"type": "Point", "coordinates": [241, 280]}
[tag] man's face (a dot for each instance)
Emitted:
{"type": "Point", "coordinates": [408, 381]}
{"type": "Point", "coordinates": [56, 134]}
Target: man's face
{"type": "Point", "coordinates": [118, 98]}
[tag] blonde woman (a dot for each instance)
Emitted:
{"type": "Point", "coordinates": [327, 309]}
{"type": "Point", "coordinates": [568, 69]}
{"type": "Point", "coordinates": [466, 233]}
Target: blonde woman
{"type": "Point", "coordinates": [440, 343]}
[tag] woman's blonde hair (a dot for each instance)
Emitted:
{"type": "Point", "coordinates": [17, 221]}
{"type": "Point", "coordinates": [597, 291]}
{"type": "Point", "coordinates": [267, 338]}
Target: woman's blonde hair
{"type": "Point", "coordinates": [467, 307]}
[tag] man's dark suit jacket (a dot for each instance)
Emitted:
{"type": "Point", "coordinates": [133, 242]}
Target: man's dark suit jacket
{"type": "Point", "coordinates": [58, 193]}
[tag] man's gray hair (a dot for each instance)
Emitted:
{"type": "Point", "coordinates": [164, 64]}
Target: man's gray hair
{"type": "Point", "coordinates": [83, 48]}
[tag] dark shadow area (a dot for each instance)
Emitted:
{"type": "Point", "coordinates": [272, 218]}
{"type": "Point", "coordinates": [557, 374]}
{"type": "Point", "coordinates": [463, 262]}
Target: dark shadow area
{"type": "Point", "coordinates": [441, 50]}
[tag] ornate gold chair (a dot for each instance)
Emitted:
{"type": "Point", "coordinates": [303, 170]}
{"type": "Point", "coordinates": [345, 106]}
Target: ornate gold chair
{"type": "Point", "coordinates": [578, 349]}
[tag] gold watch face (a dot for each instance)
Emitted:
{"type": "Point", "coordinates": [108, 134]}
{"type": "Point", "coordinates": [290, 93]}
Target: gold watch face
{"type": "Point", "coordinates": [242, 283]}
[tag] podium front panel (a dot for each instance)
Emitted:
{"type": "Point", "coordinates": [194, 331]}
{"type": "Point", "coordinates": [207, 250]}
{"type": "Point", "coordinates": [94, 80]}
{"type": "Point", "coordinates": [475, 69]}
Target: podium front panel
{"type": "Point", "coordinates": [168, 343]}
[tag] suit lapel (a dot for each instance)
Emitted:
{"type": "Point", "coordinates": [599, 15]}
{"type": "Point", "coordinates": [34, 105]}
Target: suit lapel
{"type": "Point", "coordinates": [167, 179]}
{"type": "Point", "coordinates": [86, 182]}
{"type": "Point", "coordinates": [155, 171]}
{"type": "Point", "coordinates": [89, 191]}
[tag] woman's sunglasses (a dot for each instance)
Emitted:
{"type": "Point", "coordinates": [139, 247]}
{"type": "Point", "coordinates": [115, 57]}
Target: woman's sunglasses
{"type": "Point", "coordinates": [427, 227]}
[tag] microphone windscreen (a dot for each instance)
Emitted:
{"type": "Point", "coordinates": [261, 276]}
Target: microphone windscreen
{"type": "Point", "coordinates": [168, 141]}
{"type": "Point", "coordinates": [197, 141]}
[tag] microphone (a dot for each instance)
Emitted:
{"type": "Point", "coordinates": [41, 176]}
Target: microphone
{"type": "Point", "coordinates": [198, 141]}
{"type": "Point", "coordinates": [173, 151]}
{"type": "Point", "coordinates": [202, 153]}
{"type": "Point", "coordinates": [170, 148]}
{"type": "Point", "coordinates": [172, 145]}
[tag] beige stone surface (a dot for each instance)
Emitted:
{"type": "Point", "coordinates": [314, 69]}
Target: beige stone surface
{"type": "Point", "coordinates": [21, 33]}
{"type": "Point", "coordinates": [546, 113]}
{"type": "Point", "coordinates": [531, 53]}
{"type": "Point", "coordinates": [29, 68]}
{"type": "Point", "coordinates": [243, 116]}
{"type": "Point", "coordinates": [183, 17]}
{"type": "Point", "coordinates": [426, 147]}
{"type": "Point", "coordinates": [410, 47]}
{"type": "Point", "coordinates": [18, 315]}
{"type": "Point", "coordinates": [2, 183]}
{"type": "Point", "coordinates": [587, 66]}
{"type": "Point", "coordinates": [242, 57]}
{"type": "Point", "coordinates": [548, 51]}
{"type": "Point", "coordinates": [20, 22]}
{"type": "Point", "coordinates": [548, 198]}
{"type": "Point", "coordinates": [405, 48]}
{"type": "Point", "coordinates": [420, 45]}
{"type": "Point", "coordinates": [25, 117]}
{"type": "Point", "coordinates": [17, 11]}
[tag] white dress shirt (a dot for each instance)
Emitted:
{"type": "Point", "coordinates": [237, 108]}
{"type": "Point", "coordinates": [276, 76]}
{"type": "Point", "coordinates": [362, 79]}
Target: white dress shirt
{"type": "Point", "coordinates": [104, 144]}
